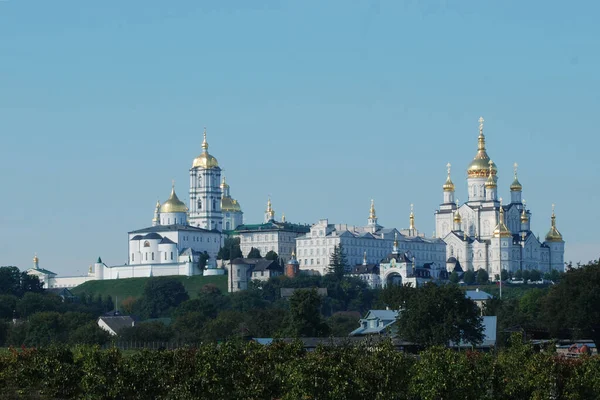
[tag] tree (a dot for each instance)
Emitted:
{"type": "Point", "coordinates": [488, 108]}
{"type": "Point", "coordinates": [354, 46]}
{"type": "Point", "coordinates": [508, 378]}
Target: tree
{"type": "Point", "coordinates": [526, 275]}
{"type": "Point", "coordinates": [10, 281]}
{"type": "Point", "coordinates": [504, 275]}
{"type": "Point", "coordinates": [469, 277]}
{"type": "Point", "coordinates": [108, 304]}
{"type": "Point", "coordinates": [161, 294]}
{"type": "Point", "coordinates": [575, 303]}
{"type": "Point", "coordinates": [396, 297]}
{"type": "Point", "coordinates": [254, 253]}
{"type": "Point", "coordinates": [152, 331]}
{"type": "Point", "coordinates": [203, 259]}
{"type": "Point", "coordinates": [342, 323]}
{"type": "Point", "coordinates": [338, 262]}
{"type": "Point", "coordinates": [304, 318]}
{"type": "Point", "coordinates": [482, 276]}
{"type": "Point", "coordinates": [436, 315]}
{"type": "Point", "coordinates": [553, 276]}
{"type": "Point", "coordinates": [518, 275]}
{"type": "Point", "coordinates": [454, 277]}
{"type": "Point", "coordinates": [535, 275]}
{"type": "Point", "coordinates": [271, 255]}
{"type": "Point", "coordinates": [230, 250]}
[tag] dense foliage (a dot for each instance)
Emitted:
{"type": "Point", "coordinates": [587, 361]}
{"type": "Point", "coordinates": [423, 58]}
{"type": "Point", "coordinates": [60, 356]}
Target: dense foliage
{"type": "Point", "coordinates": [246, 370]}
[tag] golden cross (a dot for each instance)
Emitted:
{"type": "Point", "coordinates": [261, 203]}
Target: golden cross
{"type": "Point", "coordinates": [481, 120]}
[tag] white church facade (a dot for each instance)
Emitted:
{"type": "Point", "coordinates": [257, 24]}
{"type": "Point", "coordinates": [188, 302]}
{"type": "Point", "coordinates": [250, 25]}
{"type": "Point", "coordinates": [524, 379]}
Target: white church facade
{"type": "Point", "coordinates": [484, 233]}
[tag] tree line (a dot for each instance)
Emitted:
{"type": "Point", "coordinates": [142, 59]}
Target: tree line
{"type": "Point", "coordinates": [247, 370]}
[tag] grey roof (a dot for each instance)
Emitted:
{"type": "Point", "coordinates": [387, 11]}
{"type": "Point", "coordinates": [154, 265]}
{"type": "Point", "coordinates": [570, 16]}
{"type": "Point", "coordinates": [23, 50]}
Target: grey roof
{"type": "Point", "coordinates": [365, 269]}
{"type": "Point", "coordinates": [477, 295]}
{"type": "Point", "coordinates": [137, 237]}
{"type": "Point", "coordinates": [383, 318]}
{"type": "Point", "coordinates": [62, 292]}
{"type": "Point", "coordinates": [116, 323]}
{"type": "Point", "coordinates": [166, 240]}
{"type": "Point", "coordinates": [152, 235]}
{"type": "Point", "coordinates": [42, 270]}
{"type": "Point", "coordinates": [172, 228]}
{"type": "Point", "coordinates": [262, 264]}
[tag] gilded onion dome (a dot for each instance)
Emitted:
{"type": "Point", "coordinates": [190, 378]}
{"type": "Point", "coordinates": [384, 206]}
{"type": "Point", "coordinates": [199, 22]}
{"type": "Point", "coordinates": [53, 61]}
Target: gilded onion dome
{"type": "Point", "coordinates": [553, 234]}
{"type": "Point", "coordinates": [501, 229]}
{"type": "Point", "coordinates": [457, 217]}
{"type": "Point", "coordinates": [230, 205]}
{"type": "Point", "coordinates": [173, 204]}
{"type": "Point", "coordinates": [35, 259]}
{"type": "Point", "coordinates": [372, 214]}
{"type": "Point", "coordinates": [480, 166]}
{"type": "Point", "coordinates": [490, 183]}
{"type": "Point", "coordinates": [516, 185]}
{"type": "Point", "coordinates": [524, 217]}
{"type": "Point", "coordinates": [205, 160]}
{"type": "Point", "coordinates": [448, 185]}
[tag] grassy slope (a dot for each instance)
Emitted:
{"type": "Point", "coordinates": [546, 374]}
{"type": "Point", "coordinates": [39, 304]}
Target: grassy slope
{"type": "Point", "coordinates": [134, 287]}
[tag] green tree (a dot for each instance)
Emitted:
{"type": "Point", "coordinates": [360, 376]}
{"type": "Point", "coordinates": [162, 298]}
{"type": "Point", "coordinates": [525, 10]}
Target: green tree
{"type": "Point", "coordinates": [469, 277]}
{"type": "Point", "coordinates": [203, 259]}
{"type": "Point", "coordinates": [575, 303]}
{"type": "Point", "coordinates": [518, 274]}
{"type": "Point", "coordinates": [504, 275]}
{"type": "Point", "coordinates": [338, 262]}
{"type": "Point", "coordinates": [553, 275]}
{"type": "Point", "coordinates": [396, 296]}
{"type": "Point", "coordinates": [8, 305]}
{"type": "Point", "coordinates": [89, 333]}
{"type": "Point", "coordinates": [271, 255]}
{"type": "Point", "coordinates": [161, 295]}
{"type": "Point", "coordinates": [535, 275]}
{"type": "Point", "coordinates": [36, 302]}
{"type": "Point", "coordinates": [230, 250]}
{"type": "Point", "coordinates": [304, 318]}
{"type": "Point", "coordinates": [454, 277]}
{"type": "Point", "coordinates": [108, 304]}
{"type": "Point", "coordinates": [342, 323]}
{"type": "Point", "coordinates": [482, 276]}
{"type": "Point", "coordinates": [150, 331]}
{"type": "Point", "coordinates": [254, 253]}
{"type": "Point", "coordinates": [436, 315]}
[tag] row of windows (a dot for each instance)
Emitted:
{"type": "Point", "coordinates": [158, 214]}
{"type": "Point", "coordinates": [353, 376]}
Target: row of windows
{"type": "Point", "coordinates": [151, 256]}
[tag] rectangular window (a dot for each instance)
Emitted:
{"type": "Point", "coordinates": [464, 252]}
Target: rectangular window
{"type": "Point", "coordinates": [262, 273]}
{"type": "Point", "coordinates": [132, 258]}
{"type": "Point", "coordinates": [239, 286]}
{"type": "Point", "coordinates": [165, 256]}
{"type": "Point", "coordinates": [238, 272]}
{"type": "Point", "coordinates": [152, 256]}
{"type": "Point", "coordinates": [171, 255]}
{"type": "Point", "coordinates": [146, 256]}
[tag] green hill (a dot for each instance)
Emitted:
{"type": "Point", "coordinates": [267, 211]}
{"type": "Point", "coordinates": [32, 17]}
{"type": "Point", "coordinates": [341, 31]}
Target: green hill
{"type": "Point", "coordinates": [134, 287]}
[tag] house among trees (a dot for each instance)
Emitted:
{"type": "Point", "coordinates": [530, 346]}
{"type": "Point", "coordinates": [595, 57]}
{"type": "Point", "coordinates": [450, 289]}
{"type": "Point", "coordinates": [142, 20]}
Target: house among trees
{"type": "Point", "coordinates": [376, 322]}
{"type": "Point", "coordinates": [244, 270]}
{"type": "Point", "coordinates": [114, 323]}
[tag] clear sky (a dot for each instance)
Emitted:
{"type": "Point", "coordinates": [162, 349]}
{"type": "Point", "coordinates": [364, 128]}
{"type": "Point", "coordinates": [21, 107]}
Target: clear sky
{"type": "Point", "coordinates": [321, 104]}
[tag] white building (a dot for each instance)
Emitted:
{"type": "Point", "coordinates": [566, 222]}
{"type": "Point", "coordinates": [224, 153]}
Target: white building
{"type": "Point", "coordinates": [277, 236]}
{"type": "Point", "coordinates": [314, 248]}
{"type": "Point", "coordinates": [242, 271]}
{"type": "Point", "coordinates": [485, 234]}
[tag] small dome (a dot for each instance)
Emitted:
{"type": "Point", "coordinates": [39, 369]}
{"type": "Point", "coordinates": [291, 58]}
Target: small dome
{"type": "Point", "coordinates": [173, 204]}
{"type": "Point", "coordinates": [457, 217]}
{"type": "Point", "coordinates": [516, 186]}
{"type": "Point", "coordinates": [448, 185]}
{"type": "Point", "coordinates": [553, 234]}
{"type": "Point", "coordinates": [35, 259]}
{"type": "Point", "coordinates": [524, 217]}
{"type": "Point", "coordinates": [491, 182]}
{"type": "Point", "coordinates": [205, 160]}
{"type": "Point", "coordinates": [481, 166]}
{"type": "Point", "coordinates": [230, 205]}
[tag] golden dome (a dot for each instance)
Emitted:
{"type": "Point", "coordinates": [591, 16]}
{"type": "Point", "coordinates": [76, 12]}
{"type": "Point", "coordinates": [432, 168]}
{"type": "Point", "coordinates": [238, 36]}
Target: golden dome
{"type": "Point", "coordinates": [372, 214]}
{"type": "Point", "coordinates": [36, 259]}
{"type": "Point", "coordinates": [501, 229]}
{"type": "Point", "coordinates": [205, 160]}
{"type": "Point", "coordinates": [448, 185]}
{"type": "Point", "coordinates": [481, 166]}
{"type": "Point", "coordinates": [173, 204]}
{"type": "Point", "coordinates": [524, 217]}
{"type": "Point", "coordinates": [230, 205]}
{"type": "Point", "coordinates": [491, 180]}
{"type": "Point", "coordinates": [224, 184]}
{"type": "Point", "coordinates": [516, 185]}
{"type": "Point", "coordinates": [457, 217]}
{"type": "Point", "coordinates": [553, 234]}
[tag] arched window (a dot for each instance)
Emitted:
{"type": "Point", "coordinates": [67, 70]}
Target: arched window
{"type": "Point", "coordinates": [152, 256]}
{"type": "Point", "coordinates": [146, 244]}
{"type": "Point", "coordinates": [227, 225]}
{"type": "Point", "coordinates": [199, 204]}
{"type": "Point", "coordinates": [132, 258]}
{"type": "Point", "coordinates": [171, 255]}
{"type": "Point", "coordinates": [214, 205]}
{"type": "Point", "coordinates": [165, 256]}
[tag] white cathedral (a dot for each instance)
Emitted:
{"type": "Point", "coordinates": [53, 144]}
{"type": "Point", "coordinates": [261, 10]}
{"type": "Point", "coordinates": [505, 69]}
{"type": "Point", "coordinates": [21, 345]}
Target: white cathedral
{"type": "Point", "coordinates": [484, 233]}
{"type": "Point", "coordinates": [178, 237]}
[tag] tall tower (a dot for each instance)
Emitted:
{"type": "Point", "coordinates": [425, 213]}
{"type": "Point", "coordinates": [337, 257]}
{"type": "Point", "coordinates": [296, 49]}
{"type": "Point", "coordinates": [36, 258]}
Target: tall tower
{"type": "Point", "coordinates": [479, 169]}
{"type": "Point", "coordinates": [372, 221]}
{"type": "Point", "coordinates": [205, 191]}
{"type": "Point", "coordinates": [515, 188]}
{"type": "Point", "coordinates": [448, 188]}
{"type": "Point", "coordinates": [269, 213]}
{"type": "Point", "coordinates": [412, 230]}
{"type": "Point", "coordinates": [230, 208]}
{"type": "Point", "coordinates": [555, 242]}
{"type": "Point", "coordinates": [491, 187]}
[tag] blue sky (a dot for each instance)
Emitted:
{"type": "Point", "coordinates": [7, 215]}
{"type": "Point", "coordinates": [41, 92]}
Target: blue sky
{"type": "Point", "coordinates": [321, 104]}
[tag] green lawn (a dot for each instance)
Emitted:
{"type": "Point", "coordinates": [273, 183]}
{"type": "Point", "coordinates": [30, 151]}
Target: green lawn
{"type": "Point", "coordinates": [134, 287]}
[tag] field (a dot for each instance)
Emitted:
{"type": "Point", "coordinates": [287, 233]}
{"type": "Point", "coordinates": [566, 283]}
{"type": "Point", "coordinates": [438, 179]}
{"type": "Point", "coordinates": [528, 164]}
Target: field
{"type": "Point", "coordinates": [134, 287]}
